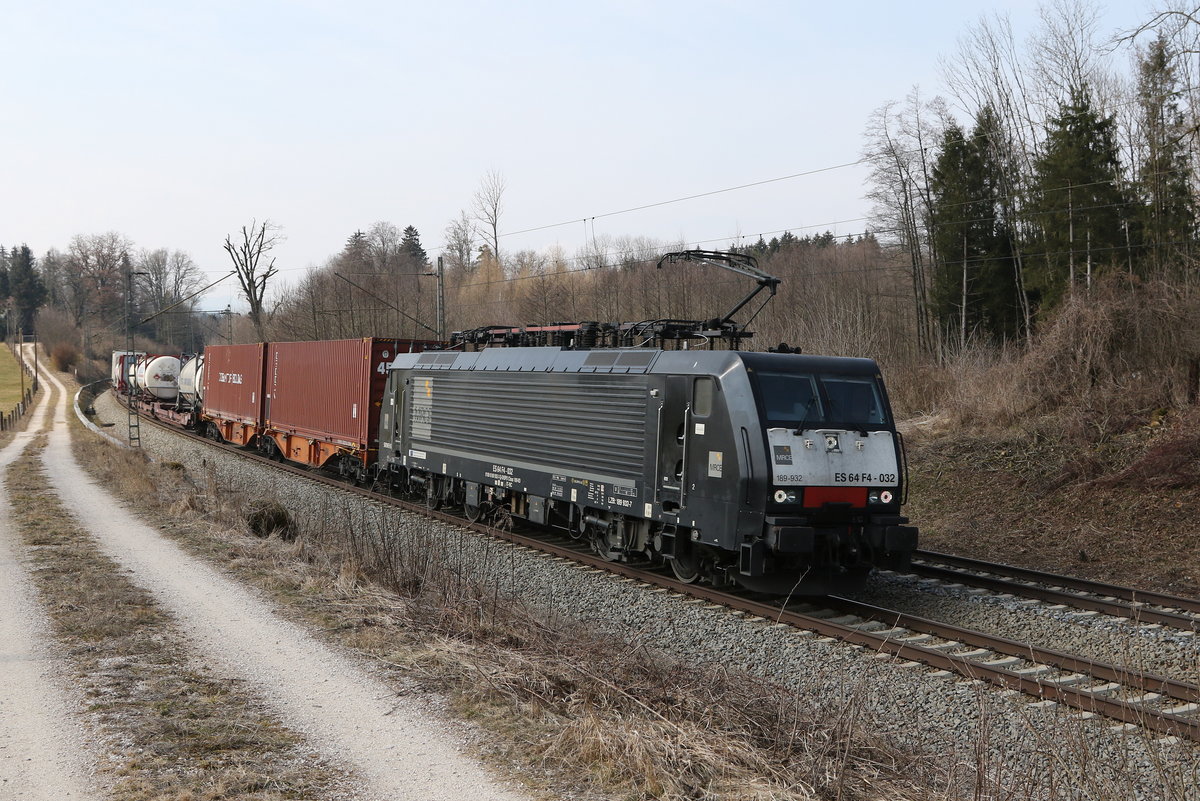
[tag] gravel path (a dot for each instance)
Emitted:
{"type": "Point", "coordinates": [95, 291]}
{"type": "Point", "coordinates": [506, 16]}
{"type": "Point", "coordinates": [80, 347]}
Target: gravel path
{"type": "Point", "coordinates": [44, 752]}
{"type": "Point", "coordinates": [393, 744]}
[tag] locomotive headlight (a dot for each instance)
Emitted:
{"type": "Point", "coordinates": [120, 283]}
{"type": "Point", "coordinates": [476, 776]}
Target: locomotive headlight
{"type": "Point", "coordinates": [785, 496]}
{"type": "Point", "coordinates": [880, 496]}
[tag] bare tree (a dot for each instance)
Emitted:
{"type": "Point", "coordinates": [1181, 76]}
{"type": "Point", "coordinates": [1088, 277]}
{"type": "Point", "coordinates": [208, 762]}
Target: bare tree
{"type": "Point", "coordinates": [489, 203]}
{"type": "Point", "coordinates": [899, 141]}
{"type": "Point", "coordinates": [248, 253]}
{"type": "Point", "coordinates": [1066, 58]}
{"type": "Point", "coordinates": [1178, 23]}
{"type": "Point", "coordinates": [92, 279]}
{"type": "Point", "coordinates": [168, 278]}
{"type": "Point", "coordinates": [460, 245]}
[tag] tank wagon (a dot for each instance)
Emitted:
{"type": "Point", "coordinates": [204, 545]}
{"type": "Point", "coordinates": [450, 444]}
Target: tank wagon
{"type": "Point", "coordinates": [123, 363]}
{"type": "Point", "coordinates": [781, 472]}
{"type": "Point", "coordinates": [152, 384]}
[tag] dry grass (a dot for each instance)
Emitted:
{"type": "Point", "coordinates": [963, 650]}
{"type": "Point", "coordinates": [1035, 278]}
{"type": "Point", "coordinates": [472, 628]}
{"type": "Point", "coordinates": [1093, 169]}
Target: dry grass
{"type": "Point", "coordinates": [10, 380]}
{"type": "Point", "coordinates": [171, 732]}
{"type": "Point", "coordinates": [1076, 454]}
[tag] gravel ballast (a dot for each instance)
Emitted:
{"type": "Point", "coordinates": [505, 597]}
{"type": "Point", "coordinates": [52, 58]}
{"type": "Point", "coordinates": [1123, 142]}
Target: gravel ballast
{"type": "Point", "coordinates": [960, 720]}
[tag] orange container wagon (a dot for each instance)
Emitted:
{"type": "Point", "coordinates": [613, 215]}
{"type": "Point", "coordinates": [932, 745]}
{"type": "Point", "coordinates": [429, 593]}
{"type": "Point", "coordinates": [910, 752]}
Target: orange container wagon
{"type": "Point", "coordinates": [322, 400]}
{"type": "Point", "coordinates": [233, 392]}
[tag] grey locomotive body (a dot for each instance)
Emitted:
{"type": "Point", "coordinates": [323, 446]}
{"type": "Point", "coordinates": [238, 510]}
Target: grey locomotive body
{"type": "Point", "coordinates": [781, 472]}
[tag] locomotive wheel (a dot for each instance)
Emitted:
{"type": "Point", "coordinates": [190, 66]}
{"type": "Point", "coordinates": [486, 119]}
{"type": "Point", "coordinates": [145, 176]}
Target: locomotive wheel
{"type": "Point", "coordinates": [686, 564]}
{"type": "Point", "coordinates": [433, 493]}
{"type": "Point", "coordinates": [473, 513]}
{"type": "Point", "coordinates": [604, 546]}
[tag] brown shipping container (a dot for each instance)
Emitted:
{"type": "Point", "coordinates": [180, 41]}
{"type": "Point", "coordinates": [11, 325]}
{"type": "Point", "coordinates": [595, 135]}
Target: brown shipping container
{"type": "Point", "coordinates": [233, 382]}
{"type": "Point", "coordinates": [328, 392]}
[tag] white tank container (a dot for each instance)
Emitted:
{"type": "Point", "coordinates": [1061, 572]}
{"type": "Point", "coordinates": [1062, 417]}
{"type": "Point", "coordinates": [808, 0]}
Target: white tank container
{"type": "Point", "coordinates": [158, 376]}
{"type": "Point", "coordinates": [191, 374]}
{"type": "Point", "coordinates": [122, 360]}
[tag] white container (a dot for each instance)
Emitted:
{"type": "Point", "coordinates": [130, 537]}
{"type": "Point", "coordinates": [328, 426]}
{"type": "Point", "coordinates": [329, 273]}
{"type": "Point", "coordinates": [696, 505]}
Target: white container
{"type": "Point", "coordinates": [122, 360]}
{"type": "Point", "coordinates": [191, 376]}
{"type": "Point", "coordinates": [158, 376]}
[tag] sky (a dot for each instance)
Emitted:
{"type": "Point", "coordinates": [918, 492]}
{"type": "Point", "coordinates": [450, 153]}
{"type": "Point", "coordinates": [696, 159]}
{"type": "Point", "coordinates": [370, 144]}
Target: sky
{"type": "Point", "coordinates": [177, 123]}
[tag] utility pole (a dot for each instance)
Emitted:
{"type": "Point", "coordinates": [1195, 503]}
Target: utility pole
{"type": "Point", "coordinates": [135, 429]}
{"type": "Point", "coordinates": [21, 359]}
{"type": "Point", "coordinates": [441, 301]}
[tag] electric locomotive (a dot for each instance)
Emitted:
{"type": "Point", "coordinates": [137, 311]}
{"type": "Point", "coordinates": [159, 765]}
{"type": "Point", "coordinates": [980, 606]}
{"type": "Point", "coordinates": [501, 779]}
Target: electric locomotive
{"type": "Point", "coordinates": [780, 472]}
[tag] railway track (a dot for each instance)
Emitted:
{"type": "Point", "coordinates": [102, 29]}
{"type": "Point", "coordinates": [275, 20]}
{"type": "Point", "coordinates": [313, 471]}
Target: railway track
{"type": "Point", "coordinates": [1133, 698]}
{"type": "Point", "coordinates": [1147, 608]}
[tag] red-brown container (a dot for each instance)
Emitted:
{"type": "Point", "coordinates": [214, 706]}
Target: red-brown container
{"type": "Point", "coordinates": [323, 398]}
{"type": "Point", "coordinates": [233, 390]}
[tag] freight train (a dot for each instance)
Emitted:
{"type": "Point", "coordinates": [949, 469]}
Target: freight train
{"type": "Point", "coordinates": [781, 472]}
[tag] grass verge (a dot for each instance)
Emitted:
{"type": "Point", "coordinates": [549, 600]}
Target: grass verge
{"type": "Point", "coordinates": [10, 380]}
{"type": "Point", "coordinates": [171, 731]}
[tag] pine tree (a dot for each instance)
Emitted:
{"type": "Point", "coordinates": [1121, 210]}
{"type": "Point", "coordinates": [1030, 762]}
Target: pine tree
{"type": "Point", "coordinates": [4, 288]}
{"type": "Point", "coordinates": [28, 291]}
{"type": "Point", "coordinates": [1168, 214]}
{"type": "Point", "coordinates": [1083, 210]}
{"type": "Point", "coordinates": [973, 288]}
{"type": "Point", "coordinates": [410, 246]}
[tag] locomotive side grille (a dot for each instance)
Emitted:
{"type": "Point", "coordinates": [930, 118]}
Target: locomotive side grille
{"type": "Point", "coordinates": [571, 422]}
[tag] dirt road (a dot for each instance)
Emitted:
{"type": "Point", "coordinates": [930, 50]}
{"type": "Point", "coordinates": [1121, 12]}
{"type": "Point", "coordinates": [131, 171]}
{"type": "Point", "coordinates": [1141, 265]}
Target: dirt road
{"type": "Point", "coordinates": [43, 748]}
{"type": "Point", "coordinates": [395, 748]}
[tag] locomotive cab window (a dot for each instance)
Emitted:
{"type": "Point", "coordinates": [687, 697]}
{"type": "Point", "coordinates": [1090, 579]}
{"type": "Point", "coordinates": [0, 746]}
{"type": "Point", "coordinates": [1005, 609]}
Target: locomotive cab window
{"type": "Point", "coordinates": [802, 399]}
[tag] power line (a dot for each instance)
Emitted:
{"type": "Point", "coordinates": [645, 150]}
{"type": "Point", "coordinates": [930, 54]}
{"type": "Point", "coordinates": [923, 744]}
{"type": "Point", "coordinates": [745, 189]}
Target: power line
{"type": "Point", "coordinates": [696, 196]}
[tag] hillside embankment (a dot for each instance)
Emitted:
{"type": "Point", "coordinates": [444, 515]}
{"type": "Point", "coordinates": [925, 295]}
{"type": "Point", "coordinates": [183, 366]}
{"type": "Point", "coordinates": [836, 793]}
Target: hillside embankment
{"type": "Point", "coordinates": [1124, 509]}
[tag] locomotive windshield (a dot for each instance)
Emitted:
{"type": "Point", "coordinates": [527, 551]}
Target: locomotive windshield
{"type": "Point", "coordinates": [810, 400]}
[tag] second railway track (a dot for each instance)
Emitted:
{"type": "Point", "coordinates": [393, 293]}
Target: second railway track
{"type": "Point", "coordinates": [1139, 605]}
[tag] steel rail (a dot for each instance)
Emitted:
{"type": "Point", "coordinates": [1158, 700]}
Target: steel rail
{"type": "Point", "coordinates": [1142, 680]}
{"type": "Point", "coordinates": [1158, 721]}
{"type": "Point", "coordinates": [1133, 596]}
{"type": "Point", "coordinates": [1013, 586]}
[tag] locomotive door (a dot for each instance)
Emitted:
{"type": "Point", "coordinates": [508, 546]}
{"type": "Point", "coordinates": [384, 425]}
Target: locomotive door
{"type": "Point", "coordinates": [672, 444]}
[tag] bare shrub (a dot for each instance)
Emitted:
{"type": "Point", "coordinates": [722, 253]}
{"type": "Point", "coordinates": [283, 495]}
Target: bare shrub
{"type": "Point", "coordinates": [1099, 366]}
{"type": "Point", "coordinates": [267, 517]}
{"type": "Point", "coordinates": [54, 327]}
{"type": "Point", "coordinates": [1118, 349]}
{"type": "Point", "coordinates": [64, 357]}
